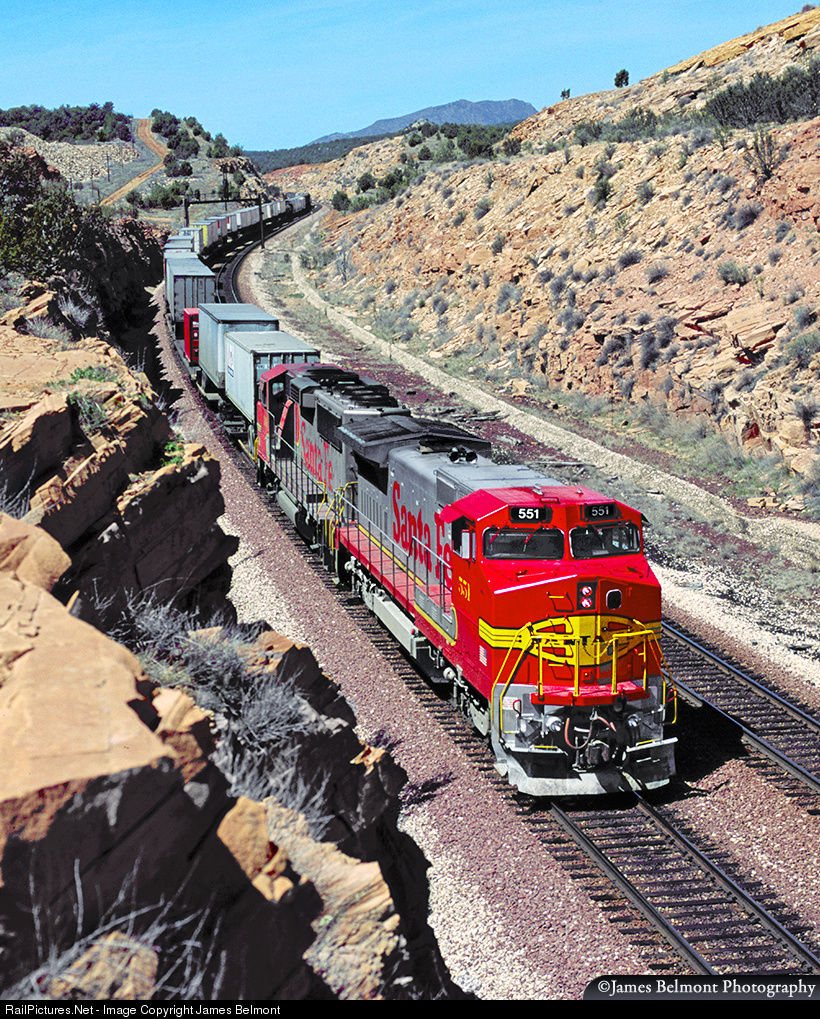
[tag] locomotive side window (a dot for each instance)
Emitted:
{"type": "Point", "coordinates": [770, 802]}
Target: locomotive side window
{"type": "Point", "coordinates": [592, 542]}
{"type": "Point", "coordinates": [521, 543]}
{"type": "Point", "coordinates": [463, 538]}
{"type": "Point", "coordinates": [307, 406]}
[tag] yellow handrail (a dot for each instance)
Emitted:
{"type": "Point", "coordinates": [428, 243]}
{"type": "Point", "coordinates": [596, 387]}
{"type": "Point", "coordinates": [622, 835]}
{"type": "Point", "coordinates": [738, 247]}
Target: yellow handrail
{"type": "Point", "coordinates": [526, 637]}
{"type": "Point", "coordinates": [525, 630]}
{"type": "Point", "coordinates": [337, 502]}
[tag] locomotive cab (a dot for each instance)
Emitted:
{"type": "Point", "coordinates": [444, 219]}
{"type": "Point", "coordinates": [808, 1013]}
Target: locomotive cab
{"type": "Point", "coordinates": [558, 622]}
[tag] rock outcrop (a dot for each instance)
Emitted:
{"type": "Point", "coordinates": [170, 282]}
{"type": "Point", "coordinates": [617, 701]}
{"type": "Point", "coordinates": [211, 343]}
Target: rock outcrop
{"type": "Point", "coordinates": [88, 449]}
{"type": "Point", "coordinates": [129, 870]}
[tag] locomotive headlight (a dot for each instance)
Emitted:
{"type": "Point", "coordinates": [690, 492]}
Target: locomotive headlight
{"type": "Point", "coordinates": [586, 590]}
{"type": "Point", "coordinates": [633, 722]}
{"type": "Point", "coordinates": [552, 723]}
{"type": "Point", "coordinates": [586, 603]}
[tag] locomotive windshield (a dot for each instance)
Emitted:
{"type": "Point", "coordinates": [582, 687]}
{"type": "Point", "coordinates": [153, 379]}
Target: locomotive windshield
{"type": "Point", "coordinates": [523, 543]}
{"type": "Point", "coordinates": [591, 542]}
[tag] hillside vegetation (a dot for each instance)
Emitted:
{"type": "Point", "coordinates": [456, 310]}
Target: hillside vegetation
{"type": "Point", "coordinates": [647, 256]}
{"type": "Point", "coordinates": [70, 123]}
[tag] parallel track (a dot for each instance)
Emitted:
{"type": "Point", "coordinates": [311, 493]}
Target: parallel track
{"type": "Point", "coordinates": [785, 734]}
{"type": "Point", "coordinates": [706, 917]}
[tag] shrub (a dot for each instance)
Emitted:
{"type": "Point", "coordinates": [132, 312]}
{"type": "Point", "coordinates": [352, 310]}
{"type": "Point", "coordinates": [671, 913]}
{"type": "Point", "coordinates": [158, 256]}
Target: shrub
{"type": "Point", "coordinates": [802, 349]}
{"type": "Point", "coordinates": [92, 412]}
{"type": "Point", "coordinates": [764, 156]}
{"type": "Point", "coordinates": [601, 192]}
{"type": "Point", "coordinates": [629, 257]}
{"type": "Point", "coordinates": [483, 206]}
{"type": "Point", "coordinates": [649, 349]}
{"type": "Point", "coordinates": [747, 214]}
{"type": "Point", "coordinates": [507, 295]}
{"type": "Point", "coordinates": [96, 373]}
{"type": "Point", "coordinates": [366, 182]}
{"type": "Point", "coordinates": [765, 100]}
{"type": "Point", "coordinates": [498, 245]}
{"type": "Point", "coordinates": [571, 319]}
{"type": "Point", "coordinates": [214, 664]}
{"type": "Point", "coordinates": [804, 316]}
{"type": "Point", "coordinates": [731, 272]}
{"type": "Point", "coordinates": [614, 345]}
{"type": "Point", "coordinates": [808, 412]}
{"type": "Point", "coordinates": [47, 330]}
{"type": "Point", "coordinates": [557, 285]}
{"type": "Point", "coordinates": [645, 192]}
{"type": "Point", "coordinates": [341, 201]}
{"type": "Point", "coordinates": [746, 380]}
{"type": "Point", "coordinates": [15, 502]}
{"type": "Point", "coordinates": [665, 330]}
{"type": "Point", "coordinates": [656, 272]}
{"type": "Point", "coordinates": [622, 78]}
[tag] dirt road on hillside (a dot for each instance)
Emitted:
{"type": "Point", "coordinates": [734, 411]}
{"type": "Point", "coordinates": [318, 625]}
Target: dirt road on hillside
{"type": "Point", "coordinates": [155, 145]}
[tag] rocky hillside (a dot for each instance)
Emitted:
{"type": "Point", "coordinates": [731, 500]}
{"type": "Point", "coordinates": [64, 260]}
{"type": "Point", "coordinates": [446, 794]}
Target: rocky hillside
{"type": "Point", "coordinates": [132, 868]}
{"type": "Point", "coordinates": [664, 270]}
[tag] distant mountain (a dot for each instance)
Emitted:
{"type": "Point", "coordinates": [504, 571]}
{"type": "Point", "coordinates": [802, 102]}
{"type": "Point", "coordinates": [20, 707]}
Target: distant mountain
{"type": "Point", "coordinates": [488, 111]}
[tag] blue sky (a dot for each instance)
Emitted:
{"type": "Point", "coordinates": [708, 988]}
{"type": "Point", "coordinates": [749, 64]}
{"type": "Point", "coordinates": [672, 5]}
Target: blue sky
{"type": "Point", "coordinates": [280, 73]}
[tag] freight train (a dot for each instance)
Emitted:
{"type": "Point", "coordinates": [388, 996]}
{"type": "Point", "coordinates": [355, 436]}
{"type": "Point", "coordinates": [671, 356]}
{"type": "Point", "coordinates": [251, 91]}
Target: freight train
{"type": "Point", "coordinates": [528, 600]}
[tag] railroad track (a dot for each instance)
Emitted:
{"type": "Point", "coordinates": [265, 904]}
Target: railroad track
{"type": "Point", "coordinates": [682, 909]}
{"type": "Point", "coordinates": [785, 735]}
{"type": "Point", "coordinates": [713, 923]}
{"type": "Point", "coordinates": [227, 271]}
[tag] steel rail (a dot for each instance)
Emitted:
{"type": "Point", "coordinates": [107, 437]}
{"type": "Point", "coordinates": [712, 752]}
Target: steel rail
{"type": "Point", "coordinates": [731, 887]}
{"type": "Point", "coordinates": [679, 943]}
{"type": "Point", "coordinates": [791, 709]}
{"type": "Point", "coordinates": [761, 744]}
{"type": "Point", "coordinates": [713, 875]}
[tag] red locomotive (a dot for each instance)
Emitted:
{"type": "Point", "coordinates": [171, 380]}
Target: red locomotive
{"type": "Point", "coordinates": [531, 599]}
